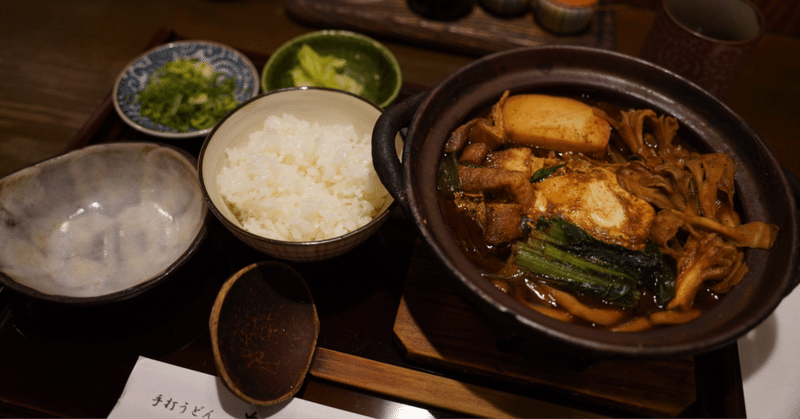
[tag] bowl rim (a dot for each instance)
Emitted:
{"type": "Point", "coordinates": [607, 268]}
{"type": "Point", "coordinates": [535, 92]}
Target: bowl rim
{"type": "Point", "coordinates": [132, 291]}
{"type": "Point", "coordinates": [384, 51]}
{"type": "Point", "coordinates": [175, 135]}
{"type": "Point", "coordinates": [252, 236]}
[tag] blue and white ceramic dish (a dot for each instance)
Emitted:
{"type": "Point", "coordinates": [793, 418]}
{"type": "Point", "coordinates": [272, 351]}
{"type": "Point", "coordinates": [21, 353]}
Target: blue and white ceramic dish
{"type": "Point", "coordinates": [222, 58]}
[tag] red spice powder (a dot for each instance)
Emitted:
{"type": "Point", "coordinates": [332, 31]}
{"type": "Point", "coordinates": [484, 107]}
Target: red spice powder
{"type": "Point", "coordinates": [577, 3]}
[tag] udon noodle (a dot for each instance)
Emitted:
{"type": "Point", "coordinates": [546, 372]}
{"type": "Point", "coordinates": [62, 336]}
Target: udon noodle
{"type": "Point", "coordinates": [639, 232]}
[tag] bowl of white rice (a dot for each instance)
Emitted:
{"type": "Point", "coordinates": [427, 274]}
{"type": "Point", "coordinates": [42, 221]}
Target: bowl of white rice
{"type": "Point", "coordinates": [290, 173]}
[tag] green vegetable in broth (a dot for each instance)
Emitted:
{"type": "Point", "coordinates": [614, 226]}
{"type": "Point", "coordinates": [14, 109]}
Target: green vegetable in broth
{"type": "Point", "coordinates": [447, 180]}
{"type": "Point", "coordinates": [543, 173]}
{"type": "Point", "coordinates": [567, 255]}
{"type": "Point", "coordinates": [187, 94]}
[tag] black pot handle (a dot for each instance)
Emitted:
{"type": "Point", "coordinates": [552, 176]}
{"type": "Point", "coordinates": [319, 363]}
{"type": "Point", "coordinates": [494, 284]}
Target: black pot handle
{"type": "Point", "coordinates": [794, 185]}
{"type": "Point", "coordinates": [384, 153]}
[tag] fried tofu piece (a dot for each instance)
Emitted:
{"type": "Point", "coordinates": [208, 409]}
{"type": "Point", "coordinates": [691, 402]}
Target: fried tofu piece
{"type": "Point", "coordinates": [474, 154]}
{"type": "Point", "coordinates": [518, 159]}
{"type": "Point", "coordinates": [487, 130]}
{"type": "Point", "coordinates": [503, 223]}
{"type": "Point", "coordinates": [554, 123]}
{"type": "Point", "coordinates": [474, 206]}
{"type": "Point", "coordinates": [595, 201]}
{"type": "Point", "coordinates": [511, 183]}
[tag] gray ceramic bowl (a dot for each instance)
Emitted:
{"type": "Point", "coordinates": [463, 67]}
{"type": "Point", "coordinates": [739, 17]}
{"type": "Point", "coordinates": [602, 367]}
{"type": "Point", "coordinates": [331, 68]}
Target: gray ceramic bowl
{"type": "Point", "coordinates": [325, 106]}
{"type": "Point", "coordinates": [99, 224]}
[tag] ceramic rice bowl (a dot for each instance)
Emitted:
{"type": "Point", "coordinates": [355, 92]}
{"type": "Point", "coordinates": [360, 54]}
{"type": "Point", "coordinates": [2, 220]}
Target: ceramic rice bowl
{"type": "Point", "coordinates": [325, 106]}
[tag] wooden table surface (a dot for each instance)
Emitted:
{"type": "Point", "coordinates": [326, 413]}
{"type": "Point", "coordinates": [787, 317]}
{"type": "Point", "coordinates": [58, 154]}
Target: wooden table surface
{"type": "Point", "coordinates": [58, 61]}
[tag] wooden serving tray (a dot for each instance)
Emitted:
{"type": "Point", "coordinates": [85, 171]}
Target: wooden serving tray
{"type": "Point", "coordinates": [436, 331]}
{"type": "Point", "coordinates": [478, 33]}
{"type": "Point", "coordinates": [437, 327]}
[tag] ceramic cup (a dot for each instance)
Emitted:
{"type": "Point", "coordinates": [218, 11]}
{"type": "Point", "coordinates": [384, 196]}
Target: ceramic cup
{"type": "Point", "coordinates": [565, 17]}
{"type": "Point", "coordinates": [706, 41]}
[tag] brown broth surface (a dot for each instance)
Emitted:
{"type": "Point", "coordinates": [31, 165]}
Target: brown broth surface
{"type": "Point", "coordinates": [494, 261]}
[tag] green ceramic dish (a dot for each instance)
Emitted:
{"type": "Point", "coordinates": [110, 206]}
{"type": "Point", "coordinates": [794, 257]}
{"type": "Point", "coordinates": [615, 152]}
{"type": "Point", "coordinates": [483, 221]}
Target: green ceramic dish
{"type": "Point", "coordinates": [374, 64]}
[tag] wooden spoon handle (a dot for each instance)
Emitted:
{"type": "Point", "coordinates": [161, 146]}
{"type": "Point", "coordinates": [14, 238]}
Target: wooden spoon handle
{"type": "Point", "coordinates": [429, 389]}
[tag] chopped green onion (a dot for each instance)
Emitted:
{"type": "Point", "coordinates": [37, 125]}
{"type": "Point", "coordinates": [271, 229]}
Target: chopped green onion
{"type": "Point", "coordinates": [545, 172]}
{"type": "Point", "coordinates": [187, 94]}
{"type": "Point", "coordinates": [447, 180]}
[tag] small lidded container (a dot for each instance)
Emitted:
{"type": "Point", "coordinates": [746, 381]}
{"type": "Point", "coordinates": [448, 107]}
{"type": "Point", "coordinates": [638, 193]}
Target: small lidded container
{"type": "Point", "coordinates": [565, 17]}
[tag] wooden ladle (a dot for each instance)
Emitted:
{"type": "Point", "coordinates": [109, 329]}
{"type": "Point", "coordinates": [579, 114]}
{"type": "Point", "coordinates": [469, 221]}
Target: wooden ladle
{"type": "Point", "coordinates": [264, 330]}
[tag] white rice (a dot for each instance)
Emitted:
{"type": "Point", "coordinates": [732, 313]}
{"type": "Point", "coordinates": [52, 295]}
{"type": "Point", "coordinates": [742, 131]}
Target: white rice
{"type": "Point", "coordinates": [297, 180]}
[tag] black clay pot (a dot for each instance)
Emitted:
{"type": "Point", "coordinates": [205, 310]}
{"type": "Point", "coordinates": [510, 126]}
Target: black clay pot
{"type": "Point", "coordinates": [764, 189]}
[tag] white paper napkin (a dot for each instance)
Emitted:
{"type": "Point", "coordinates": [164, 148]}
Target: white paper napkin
{"type": "Point", "coordinates": [159, 390]}
{"type": "Point", "coordinates": [770, 362]}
